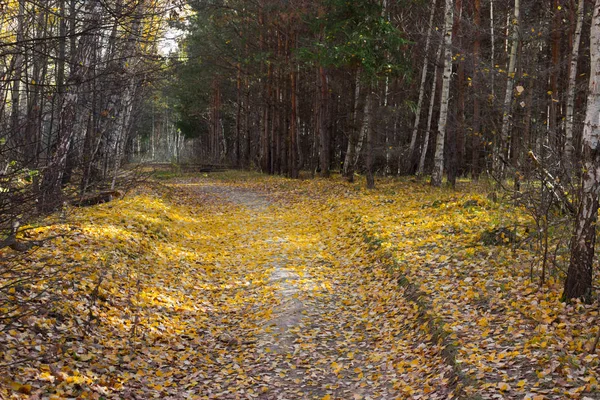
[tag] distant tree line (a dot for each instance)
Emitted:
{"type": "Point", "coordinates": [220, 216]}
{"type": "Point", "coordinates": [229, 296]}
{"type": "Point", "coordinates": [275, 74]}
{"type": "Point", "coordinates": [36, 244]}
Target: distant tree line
{"type": "Point", "coordinates": [403, 87]}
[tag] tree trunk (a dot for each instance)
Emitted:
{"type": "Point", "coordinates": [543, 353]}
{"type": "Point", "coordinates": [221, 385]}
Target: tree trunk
{"type": "Point", "coordinates": [476, 143]}
{"type": "Point", "coordinates": [493, 48]}
{"type": "Point", "coordinates": [50, 188]}
{"type": "Point", "coordinates": [293, 151]}
{"type": "Point", "coordinates": [438, 168]}
{"type": "Point", "coordinates": [413, 138]}
{"type": "Point", "coordinates": [421, 167]}
{"type": "Point", "coordinates": [363, 130]}
{"type": "Point", "coordinates": [238, 117]}
{"type": "Point", "coordinates": [17, 68]}
{"type": "Point", "coordinates": [367, 126]}
{"type": "Point", "coordinates": [459, 131]}
{"type": "Point", "coordinates": [579, 276]}
{"type": "Point", "coordinates": [569, 123]}
{"type": "Point", "coordinates": [323, 131]}
{"type": "Point", "coordinates": [353, 136]}
{"type": "Point", "coordinates": [502, 147]}
{"type": "Point", "coordinates": [554, 77]}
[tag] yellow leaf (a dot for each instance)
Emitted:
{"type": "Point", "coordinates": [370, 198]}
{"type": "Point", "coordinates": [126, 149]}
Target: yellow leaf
{"type": "Point", "coordinates": [503, 386]}
{"type": "Point", "coordinates": [20, 388]}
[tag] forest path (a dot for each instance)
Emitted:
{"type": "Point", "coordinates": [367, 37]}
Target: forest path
{"type": "Point", "coordinates": [241, 286]}
{"type": "Point", "coordinates": [328, 331]}
{"type": "Point", "coordinates": [219, 287]}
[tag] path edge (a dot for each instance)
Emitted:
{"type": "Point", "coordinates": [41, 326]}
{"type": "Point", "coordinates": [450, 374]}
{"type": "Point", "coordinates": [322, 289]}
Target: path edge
{"type": "Point", "coordinates": [384, 249]}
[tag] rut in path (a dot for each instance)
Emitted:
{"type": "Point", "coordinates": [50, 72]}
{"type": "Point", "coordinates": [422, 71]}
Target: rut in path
{"type": "Point", "coordinates": [335, 328]}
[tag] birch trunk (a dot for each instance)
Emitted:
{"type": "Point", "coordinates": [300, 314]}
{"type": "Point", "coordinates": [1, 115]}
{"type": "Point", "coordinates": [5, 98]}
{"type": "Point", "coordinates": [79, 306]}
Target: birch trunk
{"type": "Point", "coordinates": [579, 276]}
{"type": "Point", "coordinates": [421, 168]}
{"type": "Point", "coordinates": [50, 188]}
{"type": "Point", "coordinates": [363, 129]}
{"type": "Point", "coordinates": [569, 147]}
{"type": "Point", "coordinates": [17, 68]}
{"type": "Point", "coordinates": [413, 138]}
{"type": "Point", "coordinates": [438, 167]}
{"type": "Point", "coordinates": [127, 97]}
{"type": "Point", "coordinates": [502, 148]}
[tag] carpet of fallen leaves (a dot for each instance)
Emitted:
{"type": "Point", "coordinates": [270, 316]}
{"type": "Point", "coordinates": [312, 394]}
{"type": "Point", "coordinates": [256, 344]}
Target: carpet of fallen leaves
{"type": "Point", "coordinates": [239, 286]}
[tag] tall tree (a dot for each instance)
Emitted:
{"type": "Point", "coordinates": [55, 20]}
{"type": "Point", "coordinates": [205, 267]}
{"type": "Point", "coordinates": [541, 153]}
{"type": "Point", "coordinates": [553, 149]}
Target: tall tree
{"type": "Point", "coordinates": [570, 117]}
{"type": "Point", "coordinates": [579, 276]}
{"type": "Point", "coordinates": [503, 147]}
{"type": "Point", "coordinates": [413, 138]}
{"type": "Point", "coordinates": [438, 167]}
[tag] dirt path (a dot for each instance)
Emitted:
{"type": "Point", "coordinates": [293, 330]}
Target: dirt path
{"type": "Point", "coordinates": [222, 290]}
{"type": "Point", "coordinates": [327, 334]}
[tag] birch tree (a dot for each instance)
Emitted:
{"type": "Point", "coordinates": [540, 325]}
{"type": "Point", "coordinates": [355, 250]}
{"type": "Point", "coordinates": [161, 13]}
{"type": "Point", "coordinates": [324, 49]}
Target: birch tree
{"type": "Point", "coordinates": [579, 276]}
{"type": "Point", "coordinates": [425, 147]}
{"type": "Point", "coordinates": [413, 138]}
{"type": "Point", "coordinates": [569, 122]}
{"type": "Point", "coordinates": [438, 167]}
{"type": "Point", "coordinates": [51, 190]}
{"type": "Point", "coordinates": [502, 148]}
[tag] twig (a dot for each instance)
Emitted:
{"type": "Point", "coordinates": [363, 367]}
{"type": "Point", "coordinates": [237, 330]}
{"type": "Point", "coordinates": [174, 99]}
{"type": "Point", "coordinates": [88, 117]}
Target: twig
{"type": "Point", "coordinates": [554, 185]}
{"type": "Point", "coordinates": [136, 318]}
{"type": "Point", "coordinates": [93, 298]}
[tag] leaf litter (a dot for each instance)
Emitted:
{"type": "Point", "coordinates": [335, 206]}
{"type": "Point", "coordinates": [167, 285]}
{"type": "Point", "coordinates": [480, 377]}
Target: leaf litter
{"type": "Point", "coordinates": [231, 288]}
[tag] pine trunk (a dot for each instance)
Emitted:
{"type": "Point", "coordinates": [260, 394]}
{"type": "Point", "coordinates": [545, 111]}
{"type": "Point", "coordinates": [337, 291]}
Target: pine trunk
{"type": "Point", "coordinates": [476, 143]}
{"type": "Point", "coordinates": [323, 131]}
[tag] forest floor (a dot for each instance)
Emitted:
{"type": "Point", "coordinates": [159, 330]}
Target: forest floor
{"type": "Point", "coordinates": [240, 286]}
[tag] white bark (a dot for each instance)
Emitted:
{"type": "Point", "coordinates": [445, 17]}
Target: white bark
{"type": "Point", "coordinates": [438, 167]}
{"type": "Point", "coordinates": [413, 138]}
{"type": "Point", "coordinates": [421, 167]}
{"type": "Point", "coordinates": [569, 147]}
{"type": "Point", "coordinates": [579, 280]}
{"type": "Point", "coordinates": [510, 83]}
{"type": "Point", "coordinates": [364, 128]}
